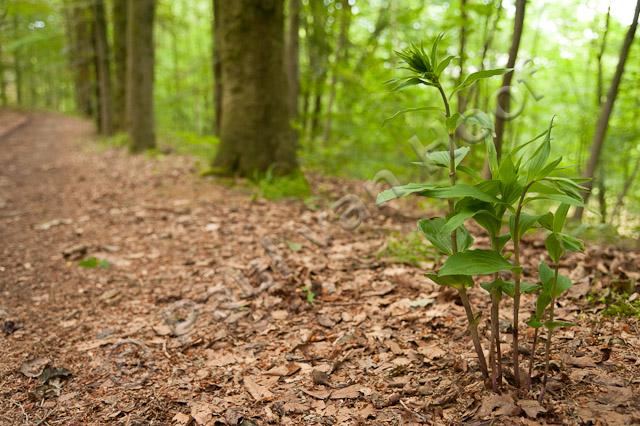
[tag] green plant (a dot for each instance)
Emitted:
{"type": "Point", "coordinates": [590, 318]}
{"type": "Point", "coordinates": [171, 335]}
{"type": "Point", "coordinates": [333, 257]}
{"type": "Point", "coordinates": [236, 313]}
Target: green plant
{"type": "Point", "coordinates": [273, 187]}
{"type": "Point", "coordinates": [408, 249]}
{"type": "Point", "coordinates": [518, 178]}
{"type": "Point", "coordinates": [93, 262]}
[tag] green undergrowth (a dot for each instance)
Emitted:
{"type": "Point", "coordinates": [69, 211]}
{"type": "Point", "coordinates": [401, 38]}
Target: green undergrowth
{"type": "Point", "coordinates": [273, 187]}
{"type": "Point", "coordinates": [409, 249]}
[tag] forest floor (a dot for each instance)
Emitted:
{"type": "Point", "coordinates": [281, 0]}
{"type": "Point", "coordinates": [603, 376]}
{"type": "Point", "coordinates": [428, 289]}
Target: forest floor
{"type": "Point", "coordinates": [134, 291]}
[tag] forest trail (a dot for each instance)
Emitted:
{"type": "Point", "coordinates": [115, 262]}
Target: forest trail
{"type": "Point", "coordinates": [190, 306]}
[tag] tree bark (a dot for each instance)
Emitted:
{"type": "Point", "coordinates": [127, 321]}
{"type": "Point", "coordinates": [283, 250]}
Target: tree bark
{"type": "Point", "coordinates": [600, 176]}
{"type": "Point", "coordinates": [462, 41]}
{"type": "Point", "coordinates": [120, 64]}
{"type": "Point", "coordinates": [140, 74]}
{"type": "Point", "coordinates": [606, 110]}
{"type": "Point", "coordinates": [292, 58]}
{"type": "Point", "coordinates": [504, 99]}
{"type": "Point", "coordinates": [103, 68]}
{"type": "Point", "coordinates": [82, 58]}
{"type": "Point", "coordinates": [490, 29]}
{"type": "Point", "coordinates": [319, 51]}
{"type": "Point", "coordinates": [341, 55]}
{"type": "Point", "coordinates": [217, 70]}
{"type": "Point", "coordinates": [255, 135]}
{"type": "Point", "coordinates": [17, 64]}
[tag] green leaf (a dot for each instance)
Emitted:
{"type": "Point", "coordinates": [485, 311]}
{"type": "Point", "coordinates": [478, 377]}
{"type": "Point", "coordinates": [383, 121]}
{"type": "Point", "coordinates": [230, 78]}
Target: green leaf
{"type": "Point", "coordinates": [527, 222]}
{"type": "Point", "coordinates": [554, 247]}
{"type": "Point", "coordinates": [402, 191]}
{"type": "Point", "coordinates": [455, 281]}
{"type": "Point", "coordinates": [406, 110]}
{"type": "Point", "coordinates": [546, 221]}
{"type": "Point", "coordinates": [93, 262]}
{"type": "Point", "coordinates": [444, 64]}
{"type": "Point", "coordinates": [546, 275]}
{"type": "Point", "coordinates": [543, 300]}
{"type": "Point", "coordinates": [537, 161]}
{"type": "Point", "coordinates": [434, 49]}
{"type": "Point", "coordinates": [479, 75]}
{"type": "Point", "coordinates": [475, 262]}
{"type": "Point", "coordinates": [441, 158]}
{"type": "Point", "coordinates": [433, 230]}
{"type": "Point", "coordinates": [469, 171]}
{"type": "Point", "coordinates": [571, 243]}
{"type": "Point", "coordinates": [461, 190]}
{"type": "Point", "coordinates": [559, 217]}
{"type": "Point", "coordinates": [534, 322]}
{"type": "Point", "coordinates": [552, 325]}
{"type": "Point", "coordinates": [452, 122]}
{"type": "Point", "coordinates": [564, 283]}
{"type": "Point", "coordinates": [508, 287]}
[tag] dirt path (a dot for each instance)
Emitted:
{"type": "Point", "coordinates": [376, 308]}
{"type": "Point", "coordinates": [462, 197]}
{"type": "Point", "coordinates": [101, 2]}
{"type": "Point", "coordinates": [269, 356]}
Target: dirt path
{"type": "Point", "coordinates": [194, 309]}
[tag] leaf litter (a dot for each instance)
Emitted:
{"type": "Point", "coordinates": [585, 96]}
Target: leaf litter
{"type": "Point", "coordinates": [211, 283]}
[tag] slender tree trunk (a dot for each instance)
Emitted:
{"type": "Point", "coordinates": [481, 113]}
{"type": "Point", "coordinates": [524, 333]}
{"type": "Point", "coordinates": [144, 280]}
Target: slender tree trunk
{"type": "Point", "coordinates": [319, 54]}
{"type": "Point", "coordinates": [462, 100]}
{"type": "Point", "coordinates": [600, 176]}
{"type": "Point", "coordinates": [606, 110]}
{"type": "Point", "coordinates": [82, 58]}
{"type": "Point", "coordinates": [3, 82]}
{"type": "Point", "coordinates": [341, 55]}
{"type": "Point", "coordinates": [628, 184]}
{"type": "Point", "coordinates": [17, 63]}
{"type": "Point", "coordinates": [504, 99]}
{"type": "Point", "coordinates": [120, 64]}
{"type": "Point", "coordinates": [255, 135]}
{"type": "Point", "coordinates": [490, 29]}
{"type": "Point", "coordinates": [217, 67]}
{"type": "Point", "coordinates": [103, 68]}
{"type": "Point", "coordinates": [292, 58]}
{"type": "Point", "coordinates": [140, 74]}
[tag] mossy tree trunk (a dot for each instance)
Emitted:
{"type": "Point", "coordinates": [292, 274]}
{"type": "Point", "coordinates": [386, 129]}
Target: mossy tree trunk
{"type": "Point", "coordinates": [255, 134]}
{"type": "Point", "coordinates": [103, 68]}
{"type": "Point", "coordinates": [119, 9]}
{"type": "Point", "coordinates": [140, 74]}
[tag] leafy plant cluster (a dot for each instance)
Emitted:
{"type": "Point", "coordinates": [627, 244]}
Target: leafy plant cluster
{"type": "Point", "coordinates": [499, 204]}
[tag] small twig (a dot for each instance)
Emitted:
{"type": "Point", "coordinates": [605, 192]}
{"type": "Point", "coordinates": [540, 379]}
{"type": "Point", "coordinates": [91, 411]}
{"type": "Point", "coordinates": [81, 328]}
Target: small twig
{"type": "Point", "coordinates": [415, 413]}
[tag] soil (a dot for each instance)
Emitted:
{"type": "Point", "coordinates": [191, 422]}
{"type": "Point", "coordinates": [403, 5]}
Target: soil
{"type": "Point", "coordinates": [134, 291]}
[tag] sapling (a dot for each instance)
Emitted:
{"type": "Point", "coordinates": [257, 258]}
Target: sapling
{"type": "Point", "coordinates": [518, 178]}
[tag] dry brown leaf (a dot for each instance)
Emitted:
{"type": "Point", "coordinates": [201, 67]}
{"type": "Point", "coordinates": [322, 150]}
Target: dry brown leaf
{"type": "Point", "coordinates": [531, 407]}
{"type": "Point", "coordinates": [582, 362]}
{"type": "Point", "coordinates": [258, 392]}
{"type": "Point", "coordinates": [498, 405]}
{"type": "Point", "coordinates": [201, 412]}
{"type": "Point", "coordinates": [284, 369]}
{"type": "Point", "coordinates": [318, 394]}
{"type": "Point", "coordinates": [350, 392]}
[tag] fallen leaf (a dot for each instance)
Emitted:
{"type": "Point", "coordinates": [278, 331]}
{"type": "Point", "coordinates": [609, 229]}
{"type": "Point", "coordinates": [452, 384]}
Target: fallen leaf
{"type": "Point", "coordinates": [349, 392]}
{"type": "Point", "coordinates": [498, 405]}
{"type": "Point", "coordinates": [320, 394]}
{"type": "Point", "coordinates": [259, 393]}
{"type": "Point", "coordinates": [201, 412]}
{"type": "Point", "coordinates": [182, 419]}
{"type": "Point", "coordinates": [34, 367]}
{"type": "Point", "coordinates": [284, 370]}
{"type": "Point", "coordinates": [583, 361]}
{"type": "Point", "coordinates": [531, 407]}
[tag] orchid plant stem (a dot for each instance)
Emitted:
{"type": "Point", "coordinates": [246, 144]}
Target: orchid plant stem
{"type": "Point", "coordinates": [517, 276]}
{"type": "Point", "coordinates": [547, 346]}
{"type": "Point", "coordinates": [533, 355]}
{"type": "Point", "coordinates": [464, 297]}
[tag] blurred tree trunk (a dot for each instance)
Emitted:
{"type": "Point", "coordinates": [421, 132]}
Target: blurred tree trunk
{"type": "Point", "coordinates": [3, 81]}
{"type": "Point", "coordinates": [340, 57]}
{"type": "Point", "coordinates": [628, 184]}
{"type": "Point", "coordinates": [255, 135]}
{"type": "Point", "coordinates": [382, 22]}
{"type": "Point", "coordinates": [217, 67]}
{"type": "Point", "coordinates": [490, 29]}
{"type": "Point", "coordinates": [17, 62]}
{"type": "Point", "coordinates": [120, 64]}
{"type": "Point", "coordinates": [319, 51]}
{"type": "Point", "coordinates": [293, 65]}
{"type": "Point", "coordinates": [140, 74]}
{"type": "Point", "coordinates": [80, 36]}
{"type": "Point", "coordinates": [103, 68]}
{"type": "Point", "coordinates": [462, 100]}
{"type": "Point", "coordinates": [606, 110]}
{"type": "Point", "coordinates": [504, 98]}
{"type": "Point", "coordinates": [600, 176]}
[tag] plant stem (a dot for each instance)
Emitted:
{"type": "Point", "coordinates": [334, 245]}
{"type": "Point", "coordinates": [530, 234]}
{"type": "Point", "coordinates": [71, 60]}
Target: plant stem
{"type": "Point", "coordinates": [533, 354]}
{"type": "Point", "coordinates": [473, 330]}
{"type": "Point", "coordinates": [464, 297]}
{"type": "Point", "coordinates": [516, 292]}
{"type": "Point", "coordinates": [547, 348]}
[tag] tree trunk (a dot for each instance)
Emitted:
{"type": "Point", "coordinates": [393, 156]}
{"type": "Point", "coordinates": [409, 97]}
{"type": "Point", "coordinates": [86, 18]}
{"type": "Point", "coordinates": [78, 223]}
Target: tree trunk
{"type": "Point", "coordinates": [140, 74]}
{"type": "Point", "coordinates": [628, 183]}
{"type": "Point", "coordinates": [3, 82]}
{"type": "Point", "coordinates": [600, 176]}
{"type": "Point", "coordinates": [293, 50]}
{"type": "Point", "coordinates": [217, 67]}
{"type": "Point", "coordinates": [606, 110]}
{"type": "Point", "coordinates": [255, 135]}
{"type": "Point", "coordinates": [504, 98]}
{"type": "Point", "coordinates": [17, 63]}
{"type": "Point", "coordinates": [341, 55]}
{"type": "Point", "coordinates": [489, 35]}
{"type": "Point", "coordinates": [103, 68]}
{"type": "Point", "coordinates": [319, 51]}
{"type": "Point", "coordinates": [462, 100]}
{"type": "Point", "coordinates": [82, 58]}
{"type": "Point", "coordinates": [120, 64]}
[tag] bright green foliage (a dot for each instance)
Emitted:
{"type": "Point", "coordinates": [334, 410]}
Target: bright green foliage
{"type": "Point", "coordinates": [521, 177]}
{"type": "Point", "coordinates": [274, 187]}
{"type": "Point", "coordinates": [93, 262]}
